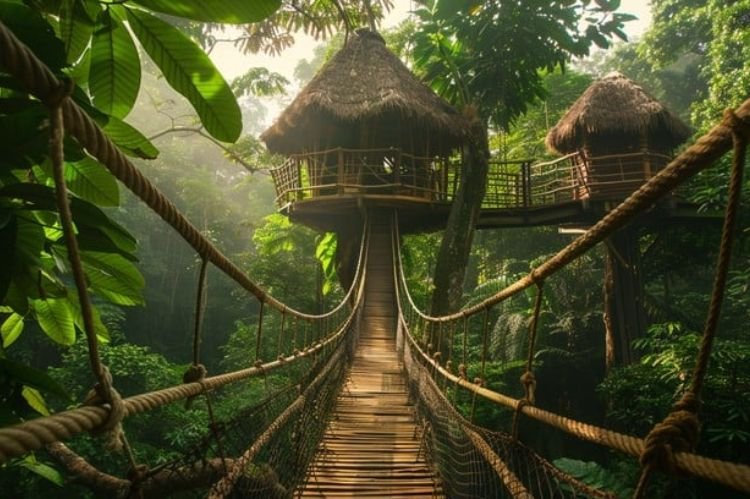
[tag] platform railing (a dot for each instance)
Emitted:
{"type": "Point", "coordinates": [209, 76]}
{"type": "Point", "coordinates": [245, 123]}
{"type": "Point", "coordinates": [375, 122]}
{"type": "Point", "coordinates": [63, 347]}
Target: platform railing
{"type": "Point", "coordinates": [510, 184]}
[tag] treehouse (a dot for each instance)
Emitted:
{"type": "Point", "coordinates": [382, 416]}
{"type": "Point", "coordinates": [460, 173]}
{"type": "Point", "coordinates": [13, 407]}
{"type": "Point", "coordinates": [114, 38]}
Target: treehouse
{"type": "Point", "coordinates": [617, 137]}
{"type": "Point", "coordinates": [364, 130]}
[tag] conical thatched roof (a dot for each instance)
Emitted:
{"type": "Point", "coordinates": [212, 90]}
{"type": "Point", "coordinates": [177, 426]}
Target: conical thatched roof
{"type": "Point", "coordinates": [364, 83]}
{"type": "Point", "coordinates": [615, 105]}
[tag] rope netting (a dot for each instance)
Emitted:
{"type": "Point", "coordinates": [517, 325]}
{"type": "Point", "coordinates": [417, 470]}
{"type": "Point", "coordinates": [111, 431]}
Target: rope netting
{"type": "Point", "coordinates": [306, 350]}
{"type": "Point", "coordinates": [457, 350]}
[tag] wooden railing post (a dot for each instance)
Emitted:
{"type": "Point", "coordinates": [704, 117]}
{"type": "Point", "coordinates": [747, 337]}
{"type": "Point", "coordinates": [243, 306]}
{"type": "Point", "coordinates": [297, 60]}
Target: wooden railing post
{"type": "Point", "coordinates": [340, 171]}
{"type": "Point", "coordinates": [397, 170]}
{"type": "Point", "coordinates": [526, 182]}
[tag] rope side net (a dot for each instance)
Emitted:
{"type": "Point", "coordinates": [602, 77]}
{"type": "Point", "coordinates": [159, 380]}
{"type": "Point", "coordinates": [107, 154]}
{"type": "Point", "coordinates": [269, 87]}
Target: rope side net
{"type": "Point", "coordinates": [448, 358]}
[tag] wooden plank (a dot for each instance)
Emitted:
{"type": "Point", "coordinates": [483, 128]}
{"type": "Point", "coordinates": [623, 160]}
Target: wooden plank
{"type": "Point", "coordinates": [371, 446]}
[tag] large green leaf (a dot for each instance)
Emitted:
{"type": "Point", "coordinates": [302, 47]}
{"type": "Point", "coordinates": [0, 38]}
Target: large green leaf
{"type": "Point", "coordinates": [92, 182]}
{"type": "Point", "coordinates": [35, 400]}
{"type": "Point", "coordinates": [30, 376]}
{"type": "Point", "coordinates": [127, 138]}
{"type": "Point", "coordinates": [85, 214]}
{"type": "Point", "coordinates": [114, 278]}
{"type": "Point", "coordinates": [76, 26]}
{"type": "Point", "coordinates": [100, 329]}
{"type": "Point", "coordinates": [8, 234]}
{"type": "Point", "coordinates": [218, 11]}
{"type": "Point", "coordinates": [55, 316]}
{"type": "Point", "coordinates": [31, 28]}
{"type": "Point", "coordinates": [25, 137]}
{"type": "Point", "coordinates": [115, 72]}
{"type": "Point", "coordinates": [45, 471]}
{"type": "Point", "coordinates": [189, 71]}
{"type": "Point", "coordinates": [11, 329]}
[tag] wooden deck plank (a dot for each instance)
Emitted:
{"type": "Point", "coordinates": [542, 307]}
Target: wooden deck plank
{"type": "Point", "coordinates": [372, 445]}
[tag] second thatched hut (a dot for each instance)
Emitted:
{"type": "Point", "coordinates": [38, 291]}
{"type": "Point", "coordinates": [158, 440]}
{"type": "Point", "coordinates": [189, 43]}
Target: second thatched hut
{"type": "Point", "coordinates": [624, 136]}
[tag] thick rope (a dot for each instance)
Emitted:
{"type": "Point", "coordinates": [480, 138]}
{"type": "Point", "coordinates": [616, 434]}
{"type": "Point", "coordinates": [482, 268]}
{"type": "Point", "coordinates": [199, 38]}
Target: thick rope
{"type": "Point", "coordinates": [40, 82]}
{"type": "Point", "coordinates": [680, 430]}
{"type": "Point", "coordinates": [528, 380]}
{"type": "Point", "coordinates": [224, 487]}
{"type": "Point", "coordinates": [104, 389]}
{"type": "Point", "coordinates": [694, 159]}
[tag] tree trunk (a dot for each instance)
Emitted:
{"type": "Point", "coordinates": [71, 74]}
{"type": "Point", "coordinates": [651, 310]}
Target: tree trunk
{"type": "Point", "coordinates": [624, 316]}
{"type": "Point", "coordinates": [453, 255]}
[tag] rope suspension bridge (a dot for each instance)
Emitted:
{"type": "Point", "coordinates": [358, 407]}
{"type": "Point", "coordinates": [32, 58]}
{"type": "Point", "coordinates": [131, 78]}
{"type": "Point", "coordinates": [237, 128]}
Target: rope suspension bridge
{"type": "Point", "coordinates": [374, 409]}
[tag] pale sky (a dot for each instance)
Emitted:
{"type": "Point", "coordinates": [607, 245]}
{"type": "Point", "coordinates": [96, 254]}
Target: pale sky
{"type": "Point", "coordinates": [231, 63]}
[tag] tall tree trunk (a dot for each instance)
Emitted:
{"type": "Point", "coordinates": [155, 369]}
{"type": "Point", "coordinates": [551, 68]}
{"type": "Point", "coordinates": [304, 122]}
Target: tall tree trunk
{"type": "Point", "coordinates": [453, 256]}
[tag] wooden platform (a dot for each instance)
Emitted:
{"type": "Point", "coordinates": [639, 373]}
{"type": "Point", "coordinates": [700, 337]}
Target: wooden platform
{"type": "Point", "coordinates": [371, 447]}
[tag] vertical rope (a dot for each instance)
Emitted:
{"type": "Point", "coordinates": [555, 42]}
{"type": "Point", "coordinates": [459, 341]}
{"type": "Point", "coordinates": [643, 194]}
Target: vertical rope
{"type": "Point", "coordinates": [104, 390]}
{"type": "Point", "coordinates": [259, 333]}
{"type": "Point", "coordinates": [680, 429]}
{"type": "Point", "coordinates": [528, 379]}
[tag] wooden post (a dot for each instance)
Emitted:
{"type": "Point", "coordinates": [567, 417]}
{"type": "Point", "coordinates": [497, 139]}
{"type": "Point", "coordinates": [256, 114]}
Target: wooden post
{"type": "Point", "coordinates": [624, 315]}
{"type": "Point", "coordinates": [340, 171]}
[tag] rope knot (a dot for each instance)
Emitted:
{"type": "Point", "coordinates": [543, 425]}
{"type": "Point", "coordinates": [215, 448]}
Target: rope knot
{"type": "Point", "coordinates": [195, 373]}
{"type": "Point", "coordinates": [436, 356]}
{"type": "Point", "coordinates": [281, 358]}
{"type": "Point", "coordinates": [105, 393]}
{"type": "Point", "coordinates": [677, 433]}
{"type": "Point", "coordinates": [528, 380]}
{"type": "Point", "coordinates": [478, 381]}
{"type": "Point", "coordinates": [449, 366]}
{"type": "Point", "coordinates": [739, 126]}
{"type": "Point", "coordinates": [58, 94]}
{"type": "Point", "coordinates": [462, 371]}
{"type": "Point", "coordinates": [137, 474]}
{"type": "Point", "coordinates": [258, 364]}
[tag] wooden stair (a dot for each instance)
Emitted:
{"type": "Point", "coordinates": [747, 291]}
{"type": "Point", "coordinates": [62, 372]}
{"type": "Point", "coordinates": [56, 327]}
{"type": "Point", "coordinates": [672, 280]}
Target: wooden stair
{"type": "Point", "coordinates": [371, 447]}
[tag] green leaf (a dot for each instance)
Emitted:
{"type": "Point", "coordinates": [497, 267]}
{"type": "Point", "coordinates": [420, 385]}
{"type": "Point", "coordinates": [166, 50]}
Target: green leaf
{"type": "Point", "coordinates": [31, 28]}
{"type": "Point", "coordinates": [90, 180]}
{"type": "Point", "coordinates": [43, 470]}
{"type": "Point", "coordinates": [35, 400]}
{"type": "Point", "coordinates": [25, 135]}
{"type": "Point", "coordinates": [219, 11]}
{"type": "Point", "coordinates": [189, 71]}
{"type": "Point", "coordinates": [75, 28]}
{"type": "Point", "coordinates": [131, 141]}
{"type": "Point", "coordinates": [115, 73]}
{"type": "Point", "coordinates": [85, 214]}
{"type": "Point", "coordinates": [8, 234]}
{"type": "Point", "coordinates": [100, 329]}
{"type": "Point", "coordinates": [11, 329]}
{"type": "Point", "coordinates": [114, 278]}
{"type": "Point", "coordinates": [55, 316]}
{"type": "Point", "coordinates": [32, 377]}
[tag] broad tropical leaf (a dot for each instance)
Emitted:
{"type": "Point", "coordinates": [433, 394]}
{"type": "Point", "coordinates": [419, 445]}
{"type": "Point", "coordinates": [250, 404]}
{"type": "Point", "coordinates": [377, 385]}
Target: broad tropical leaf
{"type": "Point", "coordinates": [92, 182]}
{"type": "Point", "coordinates": [218, 11]}
{"type": "Point", "coordinates": [32, 377]}
{"type": "Point", "coordinates": [35, 400]}
{"type": "Point", "coordinates": [45, 471]}
{"type": "Point", "coordinates": [31, 28]}
{"type": "Point", "coordinates": [11, 329]}
{"type": "Point", "coordinates": [127, 138]}
{"type": "Point", "coordinates": [55, 316]}
{"type": "Point", "coordinates": [100, 329]}
{"type": "Point", "coordinates": [189, 71]}
{"type": "Point", "coordinates": [76, 26]}
{"type": "Point", "coordinates": [115, 72]}
{"type": "Point", "coordinates": [113, 277]}
{"type": "Point", "coordinates": [85, 214]}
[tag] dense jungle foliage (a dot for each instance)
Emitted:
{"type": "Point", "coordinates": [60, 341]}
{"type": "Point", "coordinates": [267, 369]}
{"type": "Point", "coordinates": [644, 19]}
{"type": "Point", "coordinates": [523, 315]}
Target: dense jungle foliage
{"type": "Point", "coordinates": [143, 71]}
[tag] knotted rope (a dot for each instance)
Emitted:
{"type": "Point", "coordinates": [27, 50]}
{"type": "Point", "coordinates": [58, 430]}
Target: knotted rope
{"type": "Point", "coordinates": [528, 380]}
{"type": "Point", "coordinates": [680, 430]}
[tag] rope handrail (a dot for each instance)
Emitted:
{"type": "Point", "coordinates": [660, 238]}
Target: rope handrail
{"type": "Point", "coordinates": [22, 438]}
{"type": "Point", "coordinates": [39, 81]}
{"type": "Point", "coordinates": [697, 157]}
{"type": "Point", "coordinates": [731, 474]}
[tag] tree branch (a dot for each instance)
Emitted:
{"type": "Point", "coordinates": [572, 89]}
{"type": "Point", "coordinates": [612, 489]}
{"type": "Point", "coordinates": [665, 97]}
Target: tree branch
{"type": "Point", "coordinates": [199, 131]}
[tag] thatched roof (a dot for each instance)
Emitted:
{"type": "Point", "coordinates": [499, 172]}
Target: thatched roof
{"type": "Point", "coordinates": [364, 82]}
{"type": "Point", "coordinates": [615, 105]}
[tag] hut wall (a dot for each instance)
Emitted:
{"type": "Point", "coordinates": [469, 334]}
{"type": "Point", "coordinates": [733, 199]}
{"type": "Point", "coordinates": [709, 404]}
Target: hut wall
{"type": "Point", "coordinates": [616, 165]}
